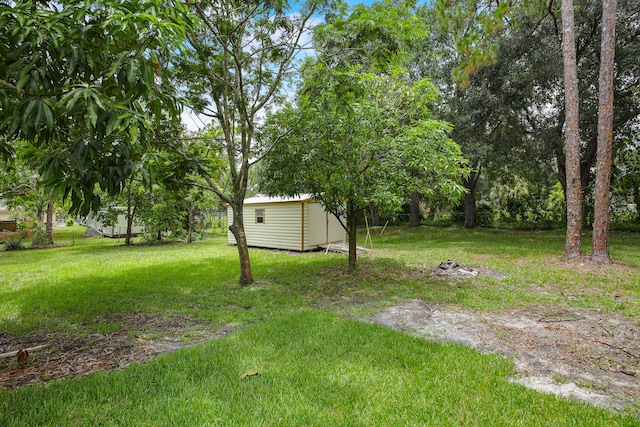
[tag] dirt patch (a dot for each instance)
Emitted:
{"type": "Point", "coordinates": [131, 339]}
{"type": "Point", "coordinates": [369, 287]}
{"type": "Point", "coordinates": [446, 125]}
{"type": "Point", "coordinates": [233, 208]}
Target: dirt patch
{"type": "Point", "coordinates": [140, 337]}
{"type": "Point", "coordinates": [575, 353]}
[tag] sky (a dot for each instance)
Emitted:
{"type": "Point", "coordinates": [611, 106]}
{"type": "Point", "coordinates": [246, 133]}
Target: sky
{"type": "Point", "coordinates": [193, 122]}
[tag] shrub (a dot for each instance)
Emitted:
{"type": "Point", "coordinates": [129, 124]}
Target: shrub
{"type": "Point", "coordinates": [12, 241]}
{"type": "Point", "coordinates": [40, 237]}
{"type": "Point", "coordinates": [485, 214]}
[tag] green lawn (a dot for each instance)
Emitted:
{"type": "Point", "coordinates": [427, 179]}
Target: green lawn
{"type": "Point", "coordinates": [317, 366]}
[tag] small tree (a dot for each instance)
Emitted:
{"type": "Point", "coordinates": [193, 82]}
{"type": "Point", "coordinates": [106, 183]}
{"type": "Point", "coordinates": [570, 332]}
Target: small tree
{"type": "Point", "coordinates": [355, 140]}
{"type": "Point", "coordinates": [240, 56]}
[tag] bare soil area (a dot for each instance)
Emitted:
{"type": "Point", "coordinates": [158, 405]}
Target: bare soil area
{"type": "Point", "coordinates": [575, 353]}
{"type": "Point", "coordinates": [140, 338]}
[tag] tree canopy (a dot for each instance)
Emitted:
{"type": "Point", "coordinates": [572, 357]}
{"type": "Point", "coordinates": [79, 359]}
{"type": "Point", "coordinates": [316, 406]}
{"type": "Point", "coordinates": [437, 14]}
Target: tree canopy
{"type": "Point", "coordinates": [80, 80]}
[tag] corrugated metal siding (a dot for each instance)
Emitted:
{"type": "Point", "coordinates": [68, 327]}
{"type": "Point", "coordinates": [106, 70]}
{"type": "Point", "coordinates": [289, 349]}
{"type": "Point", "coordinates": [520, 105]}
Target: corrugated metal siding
{"type": "Point", "coordinates": [282, 228]}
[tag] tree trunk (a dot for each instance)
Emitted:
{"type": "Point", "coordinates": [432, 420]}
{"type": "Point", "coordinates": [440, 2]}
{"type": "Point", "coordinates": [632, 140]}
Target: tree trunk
{"type": "Point", "coordinates": [127, 236]}
{"type": "Point", "coordinates": [600, 244]}
{"type": "Point", "coordinates": [375, 216]}
{"type": "Point", "coordinates": [572, 135]}
{"type": "Point", "coordinates": [352, 231]}
{"type": "Point", "coordinates": [49, 229]}
{"type": "Point", "coordinates": [470, 197]}
{"type": "Point", "coordinates": [39, 216]}
{"type": "Point", "coordinates": [414, 213]}
{"type": "Point", "coordinates": [237, 229]}
{"type": "Point", "coordinates": [190, 223]}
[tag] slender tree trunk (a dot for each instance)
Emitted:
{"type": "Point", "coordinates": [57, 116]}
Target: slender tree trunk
{"type": "Point", "coordinates": [39, 216]}
{"type": "Point", "coordinates": [572, 135]}
{"type": "Point", "coordinates": [600, 244]}
{"type": "Point", "coordinates": [375, 216]}
{"type": "Point", "coordinates": [414, 213]}
{"type": "Point", "coordinates": [190, 223]}
{"type": "Point", "coordinates": [470, 197]}
{"type": "Point", "coordinates": [237, 229]}
{"type": "Point", "coordinates": [49, 229]}
{"type": "Point", "coordinates": [127, 236]}
{"type": "Point", "coordinates": [352, 231]}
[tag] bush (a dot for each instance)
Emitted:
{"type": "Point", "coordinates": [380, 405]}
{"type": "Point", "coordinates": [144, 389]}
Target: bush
{"type": "Point", "coordinates": [12, 241]}
{"type": "Point", "coordinates": [40, 238]}
{"type": "Point", "coordinates": [69, 222]}
{"type": "Point", "coordinates": [485, 215]}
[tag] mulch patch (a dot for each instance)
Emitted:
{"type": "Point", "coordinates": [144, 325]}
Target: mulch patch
{"type": "Point", "coordinates": [140, 338]}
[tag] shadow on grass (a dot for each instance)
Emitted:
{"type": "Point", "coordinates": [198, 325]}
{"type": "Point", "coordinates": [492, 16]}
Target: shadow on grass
{"type": "Point", "coordinates": [166, 287]}
{"type": "Point", "coordinates": [171, 279]}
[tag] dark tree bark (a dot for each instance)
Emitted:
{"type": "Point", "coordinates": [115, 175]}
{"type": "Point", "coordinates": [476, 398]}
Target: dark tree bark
{"type": "Point", "coordinates": [572, 135]}
{"type": "Point", "coordinates": [352, 231]}
{"type": "Point", "coordinates": [414, 212]}
{"type": "Point", "coordinates": [375, 216]}
{"type": "Point", "coordinates": [470, 197]}
{"type": "Point", "coordinates": [600, 244]}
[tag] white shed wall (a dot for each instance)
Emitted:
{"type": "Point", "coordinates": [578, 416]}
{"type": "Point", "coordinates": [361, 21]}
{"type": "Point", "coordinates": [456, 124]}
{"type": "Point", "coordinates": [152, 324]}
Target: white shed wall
{"type": "Point", "coordinates": [283, 226]}
{"type": "Point", "coordinates": [117, 230]}
{"type": "Point", "coordinates": [323, 227]}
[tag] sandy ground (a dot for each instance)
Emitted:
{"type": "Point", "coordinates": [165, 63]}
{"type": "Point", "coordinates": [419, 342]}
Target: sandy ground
{"type": "Point", "coordinates": [575, 353]}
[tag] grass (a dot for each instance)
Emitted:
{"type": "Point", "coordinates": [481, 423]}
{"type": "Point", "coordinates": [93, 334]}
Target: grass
{"type": "Point", "coordinates": [316, 365]}
{"type": "Point", "coordinates": [315, 368]}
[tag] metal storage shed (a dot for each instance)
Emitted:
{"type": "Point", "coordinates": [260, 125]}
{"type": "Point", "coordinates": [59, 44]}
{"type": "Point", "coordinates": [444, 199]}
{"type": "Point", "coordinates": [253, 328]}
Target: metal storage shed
{"type": "Point", "coordinates": [292, 223]}
{"type": "Point", "coordinates": [117, 230]}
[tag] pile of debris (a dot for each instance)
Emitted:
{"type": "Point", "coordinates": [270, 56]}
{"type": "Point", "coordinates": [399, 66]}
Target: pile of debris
{"type": "Point", "coordinates": [451, 268]}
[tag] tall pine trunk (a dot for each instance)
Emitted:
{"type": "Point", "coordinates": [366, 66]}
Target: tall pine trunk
{"type": "Point", "coordinates": [375, 216]}
{"type": "Point", "coordinates": [572, 135]}
{"type": "Point", "coordinates": [600, 244]}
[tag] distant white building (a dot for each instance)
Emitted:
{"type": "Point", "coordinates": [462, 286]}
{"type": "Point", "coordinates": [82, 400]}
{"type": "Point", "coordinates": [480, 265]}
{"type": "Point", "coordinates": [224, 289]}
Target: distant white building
{"type": "Point", "coordinates": [292, 223]}
{"type": "Point", "coordinates": [5, 215]}
{"type": "Point", "coordinates": [7, 222]}
{"type": "Point", "coordinates": [118, 229]}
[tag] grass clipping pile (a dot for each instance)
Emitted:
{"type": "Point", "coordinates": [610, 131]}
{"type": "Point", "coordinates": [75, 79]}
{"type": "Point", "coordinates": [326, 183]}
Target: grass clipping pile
{"type": "Point", "coordinates": [572, 352]}
{"type": "Point", "coordinates": [140, 338]}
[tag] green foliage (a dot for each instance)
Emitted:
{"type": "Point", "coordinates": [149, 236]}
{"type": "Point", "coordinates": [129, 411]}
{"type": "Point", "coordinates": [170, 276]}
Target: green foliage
{"type": "Point", "coordinates": [78, 81]}
{"type": "Point", "coordinates": [472, 29]}
{"type": "Point", "coordinates": [372, 37]}
{"type": "Point", "coordinates": [365, 138]}
{"type": "Point", "coordinates": [13, 241]}
{"type": "Point", "coordinates": [361, 132]}
{"type": "Point", "coordinates": [40, 237]}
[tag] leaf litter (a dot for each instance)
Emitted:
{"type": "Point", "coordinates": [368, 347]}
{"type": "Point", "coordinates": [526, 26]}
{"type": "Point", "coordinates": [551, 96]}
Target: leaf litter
{"type": "Point", "coordinates": [139, 338]}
